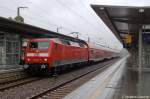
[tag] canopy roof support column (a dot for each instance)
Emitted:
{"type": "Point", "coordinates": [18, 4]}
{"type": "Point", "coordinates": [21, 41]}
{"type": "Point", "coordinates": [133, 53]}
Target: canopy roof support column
{"type": "Point", "coordinates": [140, 50]}
{"type": "Point", "coordinates": [140, 65]}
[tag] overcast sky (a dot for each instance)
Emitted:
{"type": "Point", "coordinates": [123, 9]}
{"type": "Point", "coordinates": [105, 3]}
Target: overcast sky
{"type": "Point", "coordinates": [71, 15]}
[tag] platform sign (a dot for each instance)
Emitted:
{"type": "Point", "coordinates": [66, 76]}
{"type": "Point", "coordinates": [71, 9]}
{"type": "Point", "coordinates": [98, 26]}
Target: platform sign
{"type": "Point", "coordinates": [128, 38]}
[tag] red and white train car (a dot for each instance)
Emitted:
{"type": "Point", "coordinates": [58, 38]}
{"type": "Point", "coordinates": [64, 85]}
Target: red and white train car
{"type": "Point", "coordinates": [47, 54]}
{"type": "Point", "coordinates": [99, 52]}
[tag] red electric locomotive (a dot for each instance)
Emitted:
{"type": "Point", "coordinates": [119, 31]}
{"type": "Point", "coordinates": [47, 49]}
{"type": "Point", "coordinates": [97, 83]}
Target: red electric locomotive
{"type": "Point", "coordinates": [47, 54]}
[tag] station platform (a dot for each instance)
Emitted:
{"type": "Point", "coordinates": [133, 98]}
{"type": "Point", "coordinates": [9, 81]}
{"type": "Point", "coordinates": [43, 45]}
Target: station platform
{"type": "Point", "coordinates": [106, 85]}
{"type": "Point", "coordinates": [10, 73]}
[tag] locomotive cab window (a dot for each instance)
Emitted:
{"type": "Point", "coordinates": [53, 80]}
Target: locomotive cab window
{"type": "Point", "coordinates": [39, 45]}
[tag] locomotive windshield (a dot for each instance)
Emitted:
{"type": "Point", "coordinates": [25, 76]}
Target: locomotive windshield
{"type": "Point", "coordinates": [39, 45]}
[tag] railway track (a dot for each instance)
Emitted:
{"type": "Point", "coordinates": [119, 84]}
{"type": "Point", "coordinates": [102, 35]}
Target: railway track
{"type": "Point", "coordinates": [55, 87]}
{"type": "Point", "coordinates": [18, 82]}
{"type": "Point", "coordinates": [58, 92]}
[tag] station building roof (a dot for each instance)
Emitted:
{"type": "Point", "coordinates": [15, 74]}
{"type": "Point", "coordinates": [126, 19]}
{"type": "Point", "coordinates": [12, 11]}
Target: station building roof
{"type": "Point", "coordinates": [123, 19]}
{"type": "Point", "coordinates": [27, 30]}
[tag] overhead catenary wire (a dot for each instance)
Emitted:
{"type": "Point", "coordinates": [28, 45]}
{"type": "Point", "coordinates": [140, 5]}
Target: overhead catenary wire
{"type": "Point", "coordinates": [77, 14]}
{"type": "Point", "coordinates": [45, 13]}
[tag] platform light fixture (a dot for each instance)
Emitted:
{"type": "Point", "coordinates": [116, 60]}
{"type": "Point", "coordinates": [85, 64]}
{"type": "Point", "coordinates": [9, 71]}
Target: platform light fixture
{"type": "Point", "coordinates": [141, 10]}
{"type": "Point", "coordinates": [101, 8]}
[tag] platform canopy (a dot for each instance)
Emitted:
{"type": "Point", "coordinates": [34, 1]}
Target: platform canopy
{"type": "Point", "coordinates": [123, 19]}
{"type": "Point", "coordinates": [27, 30]}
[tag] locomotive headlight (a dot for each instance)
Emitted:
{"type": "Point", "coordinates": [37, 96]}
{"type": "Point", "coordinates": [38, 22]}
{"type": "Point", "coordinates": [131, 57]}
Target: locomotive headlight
{"type": "Point", "coordinates": [28, 59]}
{"type": "Point", "coordinates": [45, 59]}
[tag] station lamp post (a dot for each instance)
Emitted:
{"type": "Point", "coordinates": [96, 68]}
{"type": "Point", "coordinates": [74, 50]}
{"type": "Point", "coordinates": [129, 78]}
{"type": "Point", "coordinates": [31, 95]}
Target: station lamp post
{"type": "Point", "coordinates": [19, 18]}
{"type": "Point", "coordinates": [141, 11]}
{"type": "Point", "coordinates": [140, 63]}
{"type": "Point", "coordinates": [88, 39]}
{"type": "Point", "coordinates": [58, 28]}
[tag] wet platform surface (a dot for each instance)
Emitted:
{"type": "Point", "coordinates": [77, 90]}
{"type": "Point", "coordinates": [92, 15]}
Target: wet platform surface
{"type": "Point", "coordinates": [117, 82]}
{"type": "Point", "coordinates": [103, 86]}
{"type": "Point", "coordinates": [135, 85]}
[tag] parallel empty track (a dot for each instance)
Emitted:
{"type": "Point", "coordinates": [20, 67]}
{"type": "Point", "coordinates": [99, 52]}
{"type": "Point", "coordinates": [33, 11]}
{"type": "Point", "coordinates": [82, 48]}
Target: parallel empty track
{"type": "Point", "coordinates": [16, 83]}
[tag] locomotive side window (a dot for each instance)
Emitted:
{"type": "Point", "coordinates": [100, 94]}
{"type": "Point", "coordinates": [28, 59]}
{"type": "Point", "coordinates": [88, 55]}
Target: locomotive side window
{"type": "Point", "coordinates": [81, 45]}
{"type": "Point", "coordinates": [92, 51]}
{"type": "Point", "coordinates": [39, 45]}
{"type": "Point", "coordinates": [65, 42]}
{"type": "Point", "coordinates": [74, 44]}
